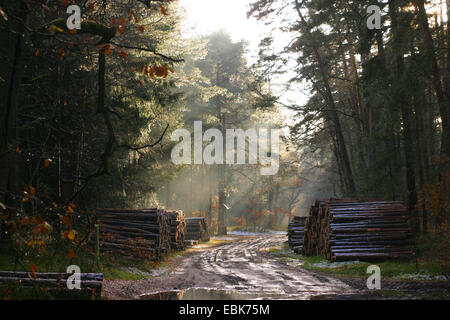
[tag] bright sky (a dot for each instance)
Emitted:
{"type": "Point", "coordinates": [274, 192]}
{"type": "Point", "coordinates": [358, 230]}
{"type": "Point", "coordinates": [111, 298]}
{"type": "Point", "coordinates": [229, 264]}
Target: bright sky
{"type": "Point", "coordinates": [207, 16]}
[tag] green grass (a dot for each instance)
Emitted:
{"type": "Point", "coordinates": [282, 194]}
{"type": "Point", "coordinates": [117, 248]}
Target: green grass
{"type": "Point", "coordinates": [55, 259]}
{"type": "Point", "coordinates": [389, 269]}
{"type": "Point", "coordinates": [52, 259]}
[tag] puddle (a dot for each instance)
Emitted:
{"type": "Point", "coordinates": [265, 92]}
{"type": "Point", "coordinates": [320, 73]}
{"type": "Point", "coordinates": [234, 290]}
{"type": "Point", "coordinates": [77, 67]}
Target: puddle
{"type": "Point", "coordinates": [207, 294]}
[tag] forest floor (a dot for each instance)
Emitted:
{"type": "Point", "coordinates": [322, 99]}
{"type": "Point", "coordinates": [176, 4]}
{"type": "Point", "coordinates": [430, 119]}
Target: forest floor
{"type": "Point", "coordinates": [259, 267]}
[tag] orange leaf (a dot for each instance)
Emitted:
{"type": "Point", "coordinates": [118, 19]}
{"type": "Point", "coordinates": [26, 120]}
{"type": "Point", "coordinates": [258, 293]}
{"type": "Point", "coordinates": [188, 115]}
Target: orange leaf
{"type": "Point", "coordinates": [123, 54]}
{"type": "Point", "coordinates": [66, 221]}
{"type": "Point", "coordinates": [141, 28]}
{"type": "Point", "coordinates": [61, 54]}
{"type": "Point", "coordinates": [151, 72]}
{"type": "Point", "coordinates": [18, 150]}
{"type": "Point", "coordinates": [33, 269]}
{"type": "Point", "coordinates": [71, 254]}
{"type": "Point", "coordinates": [71, 235]}
{"type": "Point", "coordinates": [45, 8]}
{"type": "Point", "coordinates": [121, 29]}
{"type": "Point", "coordinates": [108, 50]}
{"type": "Point", "coordinates": [64, 2]}
{"type": "Point", "coordinates": [69, 210]}
{"type": "Point", "coordinates": [36, 53]}
{"type": "Point", "coordinates": [91, 7]}
{"type": "Point", "coordinates": [163, 10]}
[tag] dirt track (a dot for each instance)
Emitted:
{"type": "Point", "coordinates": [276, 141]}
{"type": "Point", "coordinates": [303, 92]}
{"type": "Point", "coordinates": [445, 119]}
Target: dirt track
{"type": "Point", "coordinates": [238, 265]}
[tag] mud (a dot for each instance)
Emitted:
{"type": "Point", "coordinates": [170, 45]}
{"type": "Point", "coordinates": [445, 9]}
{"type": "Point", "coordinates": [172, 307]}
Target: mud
{"type": "Point", "coordinates": [236, 269]}
{"type": "Point", "coordinates": [239, 267]}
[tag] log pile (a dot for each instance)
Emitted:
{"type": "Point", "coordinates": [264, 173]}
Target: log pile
{"type": "Point", "coordinates": [344, 229]}
{"type": "Point", "coordinates": [135, 233]}
{"type": "Point", "coordinates": [177, 225]}
{"type": "Point", "coordinates": [90, 283]}
{"type": "Point", "coordinates": [197, 229]}
{"type": "Point", "coordinates": [296, 231]}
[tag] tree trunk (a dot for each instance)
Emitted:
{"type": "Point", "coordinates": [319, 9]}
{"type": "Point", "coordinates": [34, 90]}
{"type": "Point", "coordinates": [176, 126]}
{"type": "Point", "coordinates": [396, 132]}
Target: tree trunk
{"type": "Point", "coordinates": [12, 37]}
{"type": "Point", "coordinates": [442, 94]}
{"type": "Point", "coordinates": [401, 98]}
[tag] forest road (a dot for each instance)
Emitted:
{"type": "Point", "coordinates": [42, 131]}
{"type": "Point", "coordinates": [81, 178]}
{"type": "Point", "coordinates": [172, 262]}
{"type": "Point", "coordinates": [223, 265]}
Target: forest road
{"type": "Point", "coordinates": [232, 267]}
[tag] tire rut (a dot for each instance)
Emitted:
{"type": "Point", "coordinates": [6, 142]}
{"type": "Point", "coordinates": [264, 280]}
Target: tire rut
{"type": "Point", "coordinates": [236, 266]}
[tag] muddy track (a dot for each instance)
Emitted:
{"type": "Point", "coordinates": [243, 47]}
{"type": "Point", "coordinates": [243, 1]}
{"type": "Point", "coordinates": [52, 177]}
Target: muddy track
{"type": "Point", "coordinates": [239, 266]}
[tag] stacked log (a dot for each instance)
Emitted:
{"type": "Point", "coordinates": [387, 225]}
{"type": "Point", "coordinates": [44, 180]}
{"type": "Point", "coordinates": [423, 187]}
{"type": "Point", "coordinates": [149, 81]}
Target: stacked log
{"type": "Point", "coordinates": [90, 283]}
{"type": "Point", "coordinates": [177, 225]}
{"type": "Point", "coordinates": [135, 233]}
{"type": "Point", "coordinates": [296, 231]}
{"type": "Point", "coordinates": [197, 229]}
{"type": "Point", "coordinates": [344, 229]}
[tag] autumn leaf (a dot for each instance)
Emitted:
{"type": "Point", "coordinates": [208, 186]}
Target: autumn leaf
{"type": "Point", "coordinates": [121, 29]}
{"type": "Point", "coordinates": [34, 243]}
{"type": "Point", "coordinates": [36, 53]}
{"type": "Point", "coordinates": [161, 71]}
{"type": "Point", "coordinates": [57, 29]}
{"type": "Point", "coordinates": [69, 210]}
{"type": "Point", "coordinates": [91, 7]}
{"type": "Point", "coordinates": [45, 8]}
{"type": "Point", "coordinates": [33, 269]}
{"type": "Point", "coordinates": [141, 28]}
{"type": "Point", "coordinates": [123, 54]}
{"type": "Point", "coordinates": [66, 221]}
{"type": "Point", "coordinates": [71, 235]}
{"type": "Point", "coordinates": [151, 72]}
{"type": "Point", "coordinates": [163, 10]}
{"type": "Point", "coordinates": [18, 150]}
{"type": "Point", "coordinates": [108, 50]}
{"type": "Point", "coordinates": [61, 54]}
{"type": "Point", "coordinates": [71, 254]}
{"type": "Point", "coordinates": [64, 2]}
